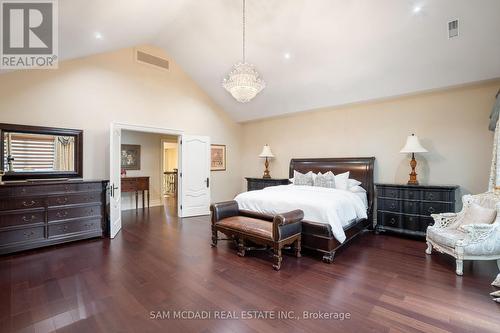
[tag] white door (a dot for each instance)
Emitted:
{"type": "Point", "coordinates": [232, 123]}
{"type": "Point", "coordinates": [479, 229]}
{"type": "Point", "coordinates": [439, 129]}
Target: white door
{"type": "Point", "coordinates": [194, 176]}
{"type": "Point", "coordinates": [115, 180]}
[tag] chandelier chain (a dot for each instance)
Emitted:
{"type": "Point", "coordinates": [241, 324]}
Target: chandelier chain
{"type": "Point", "coordinates": [244, 31]}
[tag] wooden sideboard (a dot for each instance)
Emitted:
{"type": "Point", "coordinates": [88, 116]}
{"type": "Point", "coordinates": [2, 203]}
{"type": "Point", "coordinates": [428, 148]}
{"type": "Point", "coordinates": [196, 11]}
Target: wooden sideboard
{"type": "Point", "coordinates": [136, 185]}
{"type": "Point", "coordinates": [407, 209]}
{"type": "Point", "coordinates": [36, 214]}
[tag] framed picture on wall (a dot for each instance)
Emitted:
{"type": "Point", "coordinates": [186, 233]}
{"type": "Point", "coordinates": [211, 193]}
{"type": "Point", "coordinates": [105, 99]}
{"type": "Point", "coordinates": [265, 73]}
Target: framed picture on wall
{"type": "Point", "coordinates": [131, 157]}
{"type": "Point", "coordinates": [218, 158]}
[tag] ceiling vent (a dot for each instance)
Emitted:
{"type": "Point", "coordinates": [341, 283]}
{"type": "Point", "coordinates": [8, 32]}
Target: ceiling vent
{"type": "Point", "coordinates": [151, 60]}
{"type": "Point", "coordinates": [453, 29]}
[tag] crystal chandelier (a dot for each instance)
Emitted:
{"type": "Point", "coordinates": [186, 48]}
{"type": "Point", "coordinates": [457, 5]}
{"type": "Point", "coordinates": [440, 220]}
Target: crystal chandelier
{"type": "Point", "coordinates": [243, 82]}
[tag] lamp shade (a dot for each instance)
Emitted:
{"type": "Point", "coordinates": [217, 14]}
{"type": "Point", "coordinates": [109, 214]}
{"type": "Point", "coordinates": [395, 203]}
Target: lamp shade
{"type": "Point", "coordinates": [266, 152]}
{"type": "Point", "coordinates": [413, 145]}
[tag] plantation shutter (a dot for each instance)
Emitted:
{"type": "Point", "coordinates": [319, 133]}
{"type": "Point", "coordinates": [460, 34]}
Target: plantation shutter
{"type": "Point", "coordinates": [30, 152]}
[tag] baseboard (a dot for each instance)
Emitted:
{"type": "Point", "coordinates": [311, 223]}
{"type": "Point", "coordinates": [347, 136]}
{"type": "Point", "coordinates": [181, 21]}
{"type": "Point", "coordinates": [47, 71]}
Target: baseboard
{"type": "Point", "coordinates": [152, 203]}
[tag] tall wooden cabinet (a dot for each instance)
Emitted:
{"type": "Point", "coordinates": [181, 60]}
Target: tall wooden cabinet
{"type": "Point", "coordinates": [36, 214]}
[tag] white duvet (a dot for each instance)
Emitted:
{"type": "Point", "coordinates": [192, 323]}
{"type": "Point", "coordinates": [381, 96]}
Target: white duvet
{"type": "Point", "coordinates": [324, 205]}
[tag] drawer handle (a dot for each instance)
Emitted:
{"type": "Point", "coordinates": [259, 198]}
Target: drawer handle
{"type": "Point", "coordinates": [89, 225]}
{"type": "Point", "coordinates": [392, 220]}
{"type": "Point", "coordinates": [393, 205]}
{"type": "Point", "coordinates": [62, 200]}
{"type": "Point", "coordinates": [29, 203]}
{"type": "Point", "coordinates": [28, 219]}
{"type": "Point", "coordinates": [431, 196]}
{"type": "Point", "coordinates": [431, 210]}
{"type": "Point", "coordinates": [63, 228]}
{"type": "Point", "coordinates": [62, 214]}
{"type": "Point", "coordinates": [29, 234]}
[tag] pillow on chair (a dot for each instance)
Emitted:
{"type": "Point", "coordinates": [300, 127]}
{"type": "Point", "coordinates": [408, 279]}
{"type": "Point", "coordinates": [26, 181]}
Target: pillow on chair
{"type": "Point", "coordinates": [478, 215]}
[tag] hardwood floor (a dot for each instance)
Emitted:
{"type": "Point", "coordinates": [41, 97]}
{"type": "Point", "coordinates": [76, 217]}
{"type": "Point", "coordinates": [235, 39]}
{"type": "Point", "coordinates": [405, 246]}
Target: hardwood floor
{"type": "Point", "coordinates": [159, 263]}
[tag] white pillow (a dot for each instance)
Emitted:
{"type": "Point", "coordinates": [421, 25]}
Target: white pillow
{"type": "Point", "coordinates": [357, 189]}
{"type": "Point", "coordinates": [478, 215]}
{"type": "Point", "coordinates": [341, 181]}
{"type": "Point", "coordinates": [352, 183]}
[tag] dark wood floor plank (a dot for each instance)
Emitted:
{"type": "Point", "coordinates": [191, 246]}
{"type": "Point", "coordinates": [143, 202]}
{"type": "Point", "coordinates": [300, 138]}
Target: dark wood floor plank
{"type": "Point", "coordinates": [159, 262]}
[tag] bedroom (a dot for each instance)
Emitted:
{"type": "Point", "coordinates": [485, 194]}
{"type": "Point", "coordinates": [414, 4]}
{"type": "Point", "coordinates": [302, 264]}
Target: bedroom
{"type": "Point", "coordinates": [328, 95]}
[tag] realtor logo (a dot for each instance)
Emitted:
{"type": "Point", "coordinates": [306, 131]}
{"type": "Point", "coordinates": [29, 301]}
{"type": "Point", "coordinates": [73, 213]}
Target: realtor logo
{"type": "Point", "coordinates": [29, 34]}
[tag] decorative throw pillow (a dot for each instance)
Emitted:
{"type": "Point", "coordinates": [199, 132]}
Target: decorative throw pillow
{"type": "Point", "coordinates": [341, 181]}
{"type": "Point", "coordinates": [303, 179]}
{"type": "Point", "coordinates": [478, 215]}
{"type": "Point", "coordinates": [325, 180]}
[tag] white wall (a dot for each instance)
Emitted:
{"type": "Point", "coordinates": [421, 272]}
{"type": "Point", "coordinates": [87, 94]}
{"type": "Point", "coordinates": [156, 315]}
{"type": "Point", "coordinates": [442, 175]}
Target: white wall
{"type": "Point", "coordinates": [90, 93]}
{"type": "Point", "coordinates": [452, 125]}
{"type": "Point", "coordinates": [150, 166]}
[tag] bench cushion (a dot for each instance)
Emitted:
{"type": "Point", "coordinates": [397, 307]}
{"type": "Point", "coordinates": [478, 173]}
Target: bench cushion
{"type": "Point", "coordinates": [248, 225]}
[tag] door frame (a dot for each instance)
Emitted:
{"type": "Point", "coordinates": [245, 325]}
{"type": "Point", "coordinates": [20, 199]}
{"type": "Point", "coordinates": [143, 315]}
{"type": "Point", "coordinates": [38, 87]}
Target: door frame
{"type": "Point", "coordinates": [155, 130]}
{"type": "Point", "coordinates": [162, 160]}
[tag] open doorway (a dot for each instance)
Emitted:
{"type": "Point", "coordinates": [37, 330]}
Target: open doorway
{"type": "Point", "coordinates": [170, 174]}
{"type": "Point", "coordinates": [193, 186]}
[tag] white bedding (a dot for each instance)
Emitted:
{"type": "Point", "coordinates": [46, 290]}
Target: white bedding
{"type": "Point", "coordinates": [324, 205]}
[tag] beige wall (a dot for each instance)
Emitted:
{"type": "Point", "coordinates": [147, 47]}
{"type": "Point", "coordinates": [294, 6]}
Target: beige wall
{"type": "Point", "coordinates": [150, 166]}
{"type": "Point", "coordinates": [89, 93]}
{"type": "Point", "coordinates": [452, 125]}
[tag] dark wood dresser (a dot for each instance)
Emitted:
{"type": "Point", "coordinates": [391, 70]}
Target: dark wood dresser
{"type": "Point", "coordinates": [406, 209]}
{"type": "Point", "coordinates": [41, 213]}
{"type": "Point", "coordinates": [260, 183]}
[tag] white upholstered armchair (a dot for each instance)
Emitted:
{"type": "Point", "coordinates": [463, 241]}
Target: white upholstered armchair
{"type": "Point", "coordinates": [472, 234]}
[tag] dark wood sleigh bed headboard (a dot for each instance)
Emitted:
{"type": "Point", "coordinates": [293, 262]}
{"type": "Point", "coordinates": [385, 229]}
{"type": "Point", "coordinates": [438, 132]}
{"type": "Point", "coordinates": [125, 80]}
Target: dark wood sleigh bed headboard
{"type": "Point", "coordinates": [360, 168]}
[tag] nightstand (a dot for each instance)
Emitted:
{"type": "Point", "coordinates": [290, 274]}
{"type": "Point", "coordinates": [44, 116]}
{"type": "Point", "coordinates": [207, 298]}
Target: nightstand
{"type": "Point", "coordinates": [260, 183]}
{"type": "Point", "coordinates": [407, 209]}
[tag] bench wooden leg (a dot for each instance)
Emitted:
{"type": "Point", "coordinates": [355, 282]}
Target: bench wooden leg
{"type": "Point", "coordinates": [298, 248]}
{"type": "Point", "coordinates": [241, 248]}
{"type": "Point", "coordinates": [277, 258]}
{"type": "Point", "coordinates": [214, 237]}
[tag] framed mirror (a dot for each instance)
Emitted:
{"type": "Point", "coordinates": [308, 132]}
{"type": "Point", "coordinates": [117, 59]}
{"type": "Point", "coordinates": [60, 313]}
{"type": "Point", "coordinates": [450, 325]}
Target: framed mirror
{"type": "Point", "coordinates": [34, 152]}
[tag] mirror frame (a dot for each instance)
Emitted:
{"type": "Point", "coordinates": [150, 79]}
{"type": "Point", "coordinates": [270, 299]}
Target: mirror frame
{"type": "Point", "coordinates": [78, 134]}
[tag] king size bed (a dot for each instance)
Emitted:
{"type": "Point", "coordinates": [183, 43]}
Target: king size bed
{"type": "Point", "coordinates": [332, 217]}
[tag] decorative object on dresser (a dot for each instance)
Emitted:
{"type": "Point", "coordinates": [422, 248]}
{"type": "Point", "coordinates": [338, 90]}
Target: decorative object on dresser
{"type": "Point", "coordinates": [267, 154]}
{"type": "Point", "coordinates": [131, 157]}
{"type": "Point", "coordinates": [413, 146]}
{"type": "Point", "coordinates": [36, 214]}
{"type": "Point", "coordinates": [35, 152]}
{"type": "Point", "coordinates": [134, 185]}
{"type": "Point", "coordinates": [472, 234]}
{"type": "Point", "coordinates": [407, 209]}
{"type": "Point", "coordinates": [260, 183]}
{"type": "Point", "coordinates": [217, 157]}
{"type": "Point", "coordinates": [242, 226]}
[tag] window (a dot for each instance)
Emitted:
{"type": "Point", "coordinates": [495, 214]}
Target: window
{"type": "Point", "coordinates": [30, 152]}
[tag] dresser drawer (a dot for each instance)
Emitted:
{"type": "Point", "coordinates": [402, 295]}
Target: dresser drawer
{"type": "Point", "coordinates": [390, 220]}
{"type": "Point", "coordinates": [21, 235]}
{"type": "Point", "coordinates": [411, 222]}
{"type": "Point", "coordinates": [389, 192]}
{"type": "Point", "coordinates": [71, 213]}
{"type": "Point", "coordinates": [436, 195]}
{"type": "Point", "coordinates": [426, 221]}
{"type": "Point", "coordinates": [60, 229]}
{"type": "Point", "coordinates": [411, 207]}
{"type": "Point", "coordinates": [13, 218]}
{"type": "Point", "coordinates": [412, 194]}
{"type": "Point", "coordinates": [56, 188]}
{"type": "Point", "coordinates": [21, 203]}
{"type": "Point", "coordinates": [389, 205]}
{"type": "Point", "coordinates": [428, 208]}
{"type": "Point", "coordinates": [72, 199]}
{"type": "Point", "coordinates": [142, 184]}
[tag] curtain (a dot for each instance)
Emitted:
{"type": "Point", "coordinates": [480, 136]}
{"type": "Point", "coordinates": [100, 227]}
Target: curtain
{"type": "Point", "coordinates": [64, 159]}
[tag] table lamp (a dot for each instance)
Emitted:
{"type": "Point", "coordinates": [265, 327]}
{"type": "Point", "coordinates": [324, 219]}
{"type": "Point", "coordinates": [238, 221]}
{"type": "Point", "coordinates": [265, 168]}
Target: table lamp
{"type": "Point", "coordinates": [267, 154]}
{"type": "Point", "coordinates": [413, 146]}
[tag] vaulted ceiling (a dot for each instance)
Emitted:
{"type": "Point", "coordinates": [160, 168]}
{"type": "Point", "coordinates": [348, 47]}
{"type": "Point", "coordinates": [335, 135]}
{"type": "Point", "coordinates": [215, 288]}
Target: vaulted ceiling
{"type": "Point", "coordinates": [311, 53]}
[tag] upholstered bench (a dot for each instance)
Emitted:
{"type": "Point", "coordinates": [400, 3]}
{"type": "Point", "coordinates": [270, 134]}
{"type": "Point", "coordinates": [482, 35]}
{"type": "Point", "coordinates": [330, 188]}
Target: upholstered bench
{"type": "Point", "coordinates": [241, 226]}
